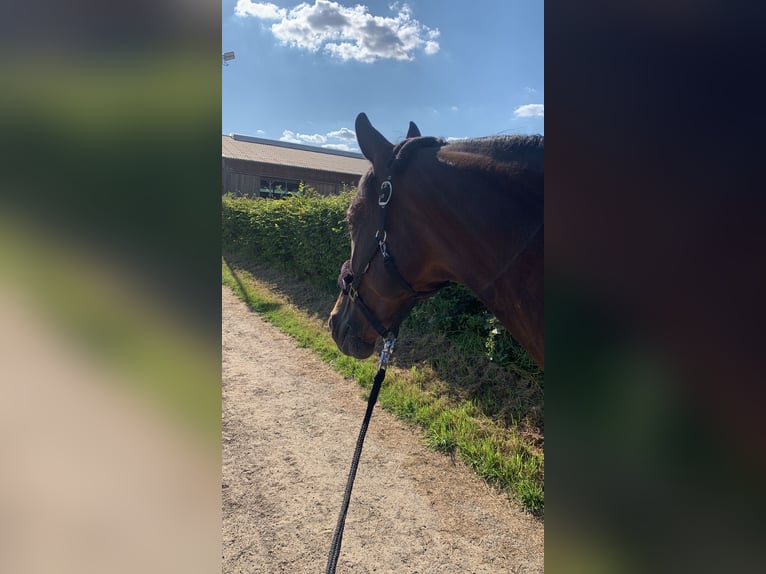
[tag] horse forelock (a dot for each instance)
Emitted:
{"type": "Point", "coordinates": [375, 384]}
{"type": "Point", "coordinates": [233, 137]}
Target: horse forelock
{"type": "Point", "coordinates": [404, 150]}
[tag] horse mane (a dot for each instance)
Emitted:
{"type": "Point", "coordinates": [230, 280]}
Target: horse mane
{"type": "Point", "coordinates": [522, 154]}
{"type": "Point", "coordinates": [518, 149]}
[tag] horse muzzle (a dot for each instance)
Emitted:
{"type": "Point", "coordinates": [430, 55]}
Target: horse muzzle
{"type": "Point", "coordinates": [344, 332]}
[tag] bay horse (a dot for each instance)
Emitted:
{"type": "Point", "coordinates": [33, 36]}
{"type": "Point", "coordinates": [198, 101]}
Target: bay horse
{"type": "Point", "coordinates": [468, 211]}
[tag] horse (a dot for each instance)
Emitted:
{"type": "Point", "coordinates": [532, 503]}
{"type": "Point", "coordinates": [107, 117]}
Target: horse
{"type": "Point", "coordinates": [466, 211]}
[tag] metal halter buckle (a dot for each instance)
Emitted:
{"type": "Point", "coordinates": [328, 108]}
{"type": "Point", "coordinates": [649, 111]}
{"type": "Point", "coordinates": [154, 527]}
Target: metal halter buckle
{"type": "Point", "coordinates": [386, 190]}
{"type": "Point", "coordinates": [387, 351]}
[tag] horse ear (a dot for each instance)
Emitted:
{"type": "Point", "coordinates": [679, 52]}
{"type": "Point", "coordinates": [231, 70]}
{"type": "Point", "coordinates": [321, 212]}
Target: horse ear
{"type": "Point", "coordinates": [374, 146]}
{"type": "Point", "coordinates": [413, 132]}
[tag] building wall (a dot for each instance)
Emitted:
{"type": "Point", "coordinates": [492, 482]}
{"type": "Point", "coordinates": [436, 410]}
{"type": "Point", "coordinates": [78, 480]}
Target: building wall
{"type": "Point", "coordinates": [243, 177]}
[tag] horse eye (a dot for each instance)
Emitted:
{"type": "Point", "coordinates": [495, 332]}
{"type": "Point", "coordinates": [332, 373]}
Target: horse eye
{"type": "Point", "coordinates": [344, 281]}
{"type": "Point", "coordinates": [346, 277]}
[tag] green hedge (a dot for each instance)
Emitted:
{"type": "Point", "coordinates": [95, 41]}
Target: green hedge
{"type": "Point", "coordinates": [305, 234]}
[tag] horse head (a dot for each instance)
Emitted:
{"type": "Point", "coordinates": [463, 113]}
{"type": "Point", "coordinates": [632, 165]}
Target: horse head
{"type": "Point", "coordinates": [470, 212]}
{"type": "Point", "coordinates": [375, 297]}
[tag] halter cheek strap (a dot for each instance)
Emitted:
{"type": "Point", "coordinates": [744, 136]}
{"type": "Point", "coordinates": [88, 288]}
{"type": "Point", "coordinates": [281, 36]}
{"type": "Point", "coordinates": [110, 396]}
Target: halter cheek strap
{"type": "Point", "coordinates": [349, 281]}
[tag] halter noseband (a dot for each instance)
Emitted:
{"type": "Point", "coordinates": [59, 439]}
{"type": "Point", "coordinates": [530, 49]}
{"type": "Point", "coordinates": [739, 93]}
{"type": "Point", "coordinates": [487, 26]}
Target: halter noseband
{"type": "Point", "coordinates": [349, 281]}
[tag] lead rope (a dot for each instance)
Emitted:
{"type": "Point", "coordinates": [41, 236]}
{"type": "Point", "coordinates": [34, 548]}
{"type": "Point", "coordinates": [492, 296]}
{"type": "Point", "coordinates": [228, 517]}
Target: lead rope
{"type": "Point", "coordinates": [385, 358]}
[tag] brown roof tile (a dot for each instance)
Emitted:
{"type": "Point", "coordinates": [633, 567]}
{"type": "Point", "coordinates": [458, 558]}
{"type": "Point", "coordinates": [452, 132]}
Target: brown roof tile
{"type": "Point", "coordinates": [280, 153]}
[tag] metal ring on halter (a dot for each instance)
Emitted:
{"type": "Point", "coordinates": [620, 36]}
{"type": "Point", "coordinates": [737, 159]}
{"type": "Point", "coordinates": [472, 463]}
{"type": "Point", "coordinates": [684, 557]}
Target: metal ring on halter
{"type": "Point", "coordinates": [382, 243]}
{"type": "Point", "coordinates": [385, 196]}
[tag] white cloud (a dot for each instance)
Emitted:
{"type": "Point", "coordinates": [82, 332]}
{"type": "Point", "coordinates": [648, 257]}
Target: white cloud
{"type": "Point", "coordinates": [431, 47]}
{"type": "Point", "coordinates": [260, 132]}
{"type": "Point", "coordinates": [530, 111]}
{"type": "Point", "coordinates": [340, 146]}
{"type": "Point", "coordinates": [312, 138]}
{"type": "Point", "coordinates": [343, 134]}
{"type": "Point", "coordinates": [292, 137]}
{"type": "Point", "coordinates": [263, 10]}
{"type": "Point", "coordinates": [288, 136]}
{"type": "Point", "coordinates": [455, 108]}
{"type": "Point", "coordinates": [348, 33]}
{"type": "Point", "coordinates": [345, 139]}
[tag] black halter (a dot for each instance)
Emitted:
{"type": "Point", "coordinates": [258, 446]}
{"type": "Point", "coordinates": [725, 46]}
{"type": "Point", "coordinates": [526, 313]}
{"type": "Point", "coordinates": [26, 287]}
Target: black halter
{"type": "Point", "coordinates": [349, 280]}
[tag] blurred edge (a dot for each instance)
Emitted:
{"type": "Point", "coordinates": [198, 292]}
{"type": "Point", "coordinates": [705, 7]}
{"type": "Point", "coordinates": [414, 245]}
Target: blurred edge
{"type": "Point", "coordinates": [654, 282]}
{"type": "Point", "coordinates": [109, 287]}
{"type": "Point", "coordinates": [110, 125]}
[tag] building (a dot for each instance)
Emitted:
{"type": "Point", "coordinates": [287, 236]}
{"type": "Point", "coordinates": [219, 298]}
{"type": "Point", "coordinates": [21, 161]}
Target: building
{"type": "Point", "coordinates": [266, 168]}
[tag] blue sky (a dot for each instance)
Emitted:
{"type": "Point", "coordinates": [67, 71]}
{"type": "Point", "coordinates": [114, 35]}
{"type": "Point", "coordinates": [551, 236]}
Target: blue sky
{"type": "Point", "coordinates": [303, 71]}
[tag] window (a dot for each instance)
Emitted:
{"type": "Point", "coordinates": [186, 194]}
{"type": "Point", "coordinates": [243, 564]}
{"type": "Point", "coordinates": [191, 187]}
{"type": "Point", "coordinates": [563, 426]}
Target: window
{"type": "Point", "coordinates": [277, 187]}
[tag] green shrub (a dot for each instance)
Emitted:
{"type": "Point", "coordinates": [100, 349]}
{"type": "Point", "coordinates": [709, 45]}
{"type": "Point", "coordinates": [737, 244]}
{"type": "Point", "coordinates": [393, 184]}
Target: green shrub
{"type": "Point", "coordinates": [457, 313]}
{"type": "Point", "coordinates": [305, 234]}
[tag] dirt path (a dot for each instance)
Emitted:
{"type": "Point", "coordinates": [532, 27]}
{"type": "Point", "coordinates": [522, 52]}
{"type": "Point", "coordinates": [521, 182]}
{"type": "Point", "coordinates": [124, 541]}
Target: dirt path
{"type": "Point", "coordinates": [289, 428]}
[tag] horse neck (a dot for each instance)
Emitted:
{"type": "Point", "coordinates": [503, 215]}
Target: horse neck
{"type": "Point", "coordinates": [513, 292]}
{"type": "Point", "coordinates": [492, 251]}
{"type": "Point", "coordinates": [473, 240]}
{"type": "Point", "coordinates": [516, 297]}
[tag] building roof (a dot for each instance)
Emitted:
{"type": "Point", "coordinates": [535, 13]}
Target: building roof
{"type": "Point", "coordinates": [237, 146]}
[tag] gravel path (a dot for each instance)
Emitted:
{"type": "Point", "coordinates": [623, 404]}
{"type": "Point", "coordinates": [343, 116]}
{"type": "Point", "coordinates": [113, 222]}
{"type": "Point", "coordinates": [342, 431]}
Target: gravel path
{"type": "Point", "coordinates": [289, 428]}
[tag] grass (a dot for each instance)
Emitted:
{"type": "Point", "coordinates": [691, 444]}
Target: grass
{"type": "Point", "coordinates": [508, 456]}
